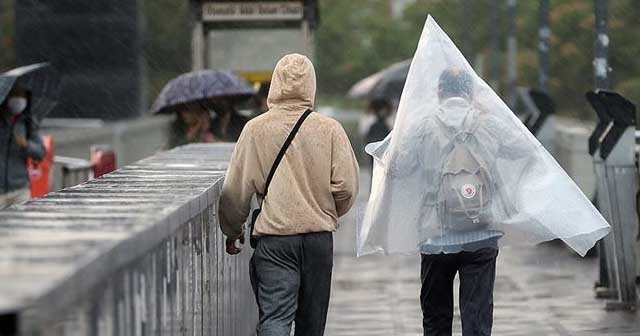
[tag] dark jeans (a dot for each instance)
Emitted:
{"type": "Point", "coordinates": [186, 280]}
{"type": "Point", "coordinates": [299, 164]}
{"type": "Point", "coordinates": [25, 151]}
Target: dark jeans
{"type": "Point", "coordinates": [291, 279]}
{"type": "Point", "coordinates": [477, 272]}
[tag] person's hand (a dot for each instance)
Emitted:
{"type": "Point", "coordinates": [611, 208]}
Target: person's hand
{"type": "Point", "coordinates": [20, 140]}
{"type": "Point", "coordinates": [231, 246]}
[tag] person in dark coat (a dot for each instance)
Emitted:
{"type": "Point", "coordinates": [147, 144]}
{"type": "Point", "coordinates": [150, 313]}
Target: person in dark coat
{"type": "Point", "coordinates": [381, 110]}
{"type": "Point", "coordinates": [19, 140]}
{"type": "Point", "coordinates": [260, 98]}
{"type": "Point", "coordinates": [227, 123]}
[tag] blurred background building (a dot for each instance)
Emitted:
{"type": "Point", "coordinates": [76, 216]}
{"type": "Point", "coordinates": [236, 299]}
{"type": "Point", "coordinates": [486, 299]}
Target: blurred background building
{"type": "Point", "coordinates": [96, 45]}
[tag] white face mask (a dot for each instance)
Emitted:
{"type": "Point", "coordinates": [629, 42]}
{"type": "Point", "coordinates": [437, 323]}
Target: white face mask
{"type": "Point", "coordinates": [454, 111]}
{"type": "Point", "coordinates": [17, 105]}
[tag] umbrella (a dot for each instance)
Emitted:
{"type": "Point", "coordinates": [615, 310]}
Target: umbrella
{"type": "Point", "coordinates": [386, 83]}
{"type": "Point", "coordinates": [200, 86]}
{"type": "Point", "coordinates": [41, 80]}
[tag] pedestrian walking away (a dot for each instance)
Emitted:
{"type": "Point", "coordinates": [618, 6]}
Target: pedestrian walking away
{"type": "Point", "coordinates": [459, 176]}
{"type": "Point", "coordinates": [306, 163]}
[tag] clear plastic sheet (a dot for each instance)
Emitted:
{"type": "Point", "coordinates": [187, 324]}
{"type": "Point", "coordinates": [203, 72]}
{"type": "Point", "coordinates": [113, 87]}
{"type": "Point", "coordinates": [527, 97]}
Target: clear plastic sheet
{"type": "Point", "coordinates": [460, 172]}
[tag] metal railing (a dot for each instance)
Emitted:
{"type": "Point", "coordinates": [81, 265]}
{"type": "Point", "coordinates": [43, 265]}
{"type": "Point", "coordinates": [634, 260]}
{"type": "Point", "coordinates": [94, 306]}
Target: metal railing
{"type": "Point", "coordinates": [74, 170]}
{"type": "Point", "coordinates": [136, 252]}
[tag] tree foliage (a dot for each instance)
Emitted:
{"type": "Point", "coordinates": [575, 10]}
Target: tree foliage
{"type": "Point", "coordinates": [359, 38]}
{"type": "Point", "coordinates": [167, 42]}
{"type": "Point", "coordinates": [7, 31]}
{"type": "Point", "coordinates": [356, 38]}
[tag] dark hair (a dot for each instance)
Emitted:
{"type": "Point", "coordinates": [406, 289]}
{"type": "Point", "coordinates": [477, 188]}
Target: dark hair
{"type": "Point", "coordinates": [455, 82]}
{"type": "Point", "coordinates": [379, 103]}
{"type": "Point", "coordinates": [263, 91]}
{"type": "Point", "coordinates": [380, 107]}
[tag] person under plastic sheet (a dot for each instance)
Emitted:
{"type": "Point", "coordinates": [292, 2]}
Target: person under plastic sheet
{"type": "Point", "coordinates": [458, 175]}
{"type": "Point", "coordinates": [459, 168]}
{"type": "Point", "coordinates": [463, 189]}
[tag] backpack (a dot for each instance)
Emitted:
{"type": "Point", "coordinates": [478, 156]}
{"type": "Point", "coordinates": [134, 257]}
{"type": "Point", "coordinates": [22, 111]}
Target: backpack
{"type": "Point", "coordinates": [466, 189]}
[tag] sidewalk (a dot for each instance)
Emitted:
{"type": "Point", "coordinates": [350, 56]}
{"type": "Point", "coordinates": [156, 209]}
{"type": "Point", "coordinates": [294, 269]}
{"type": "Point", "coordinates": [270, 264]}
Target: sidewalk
{"type": "Point", "coordinates": [543, 290]}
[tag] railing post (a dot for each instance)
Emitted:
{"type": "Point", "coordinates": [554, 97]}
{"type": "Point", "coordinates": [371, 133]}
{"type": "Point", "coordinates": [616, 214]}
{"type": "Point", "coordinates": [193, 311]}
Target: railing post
{"type": "Point", "coordinates": [512, 53]}
{"type": "Point", "coordinates": [544, 34]}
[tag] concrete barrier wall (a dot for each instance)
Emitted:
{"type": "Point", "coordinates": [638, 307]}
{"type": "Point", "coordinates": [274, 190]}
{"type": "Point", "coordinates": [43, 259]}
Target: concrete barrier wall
{"type": "Point", "coordinates": [137, 252]}
{"type": "Point", "coordinates": [131, 140]}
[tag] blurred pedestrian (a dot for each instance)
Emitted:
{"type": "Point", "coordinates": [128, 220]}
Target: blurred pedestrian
{"type": "Point", "coordinates": [260, 98]}
{"type": "Point", "coordinates": [227, 123]}
{"type": "Point", "coordinates": [19, 140]}
{"type": "Point", "coordinates": [315, 184]}
{"type": "Point", "coordinates": [204, 104]}
{"type": "Point", "coordinates": [380, 109]}
{"type": "Point", "coordinates": [191, 125]}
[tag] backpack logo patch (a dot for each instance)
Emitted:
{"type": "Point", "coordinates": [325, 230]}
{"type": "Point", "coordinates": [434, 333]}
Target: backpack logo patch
{"type": "Point", "coordinates": [468, 191]}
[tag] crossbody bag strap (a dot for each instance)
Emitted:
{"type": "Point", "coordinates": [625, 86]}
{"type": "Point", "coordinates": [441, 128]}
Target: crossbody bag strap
{"type": "Point", "coordinates": [283, 150]}
{"type": "Point", "coordinates": [277, 161]}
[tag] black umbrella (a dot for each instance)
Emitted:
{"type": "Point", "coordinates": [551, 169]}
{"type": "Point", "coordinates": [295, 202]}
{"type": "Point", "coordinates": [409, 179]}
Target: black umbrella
{"type": "Point", "coordinates": [200, 86]}
{"type": "Point", "coordinates": [384, 84]}
{"type": "Point", "coordinates": [41, 80]}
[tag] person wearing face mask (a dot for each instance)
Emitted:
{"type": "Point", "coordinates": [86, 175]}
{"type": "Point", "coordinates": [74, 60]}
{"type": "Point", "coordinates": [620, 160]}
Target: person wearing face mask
{"type": "Point", "coordinates": [19, 140]}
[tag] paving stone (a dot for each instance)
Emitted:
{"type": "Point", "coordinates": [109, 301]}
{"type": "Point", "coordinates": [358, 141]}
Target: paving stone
{"type": "Point", "coordinates": [542, 290]}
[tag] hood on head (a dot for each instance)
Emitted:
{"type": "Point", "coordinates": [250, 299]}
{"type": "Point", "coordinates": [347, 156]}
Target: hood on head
{"type": "Point", "coordinates": [293, 83]}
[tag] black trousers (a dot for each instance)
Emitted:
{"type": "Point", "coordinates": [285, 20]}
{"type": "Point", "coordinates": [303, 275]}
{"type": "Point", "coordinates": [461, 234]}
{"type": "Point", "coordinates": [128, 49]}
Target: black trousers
{"type": "Point", "coordinates": [291, 279]}
{"type": "Point", "coordinates": [477, 272]}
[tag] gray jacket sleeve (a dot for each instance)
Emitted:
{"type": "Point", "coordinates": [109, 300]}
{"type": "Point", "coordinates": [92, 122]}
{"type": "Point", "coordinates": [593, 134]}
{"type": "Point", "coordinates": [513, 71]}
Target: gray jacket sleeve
{"type": "Point", "coordinates": [35, 146]}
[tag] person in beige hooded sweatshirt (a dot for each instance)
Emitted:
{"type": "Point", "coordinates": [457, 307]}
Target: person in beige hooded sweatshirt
{"type": "Point", "coordinates": [315, 184]}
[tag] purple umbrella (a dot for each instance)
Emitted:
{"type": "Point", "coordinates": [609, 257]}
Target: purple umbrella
{"type": "Point", "coordinates": [200, 86]}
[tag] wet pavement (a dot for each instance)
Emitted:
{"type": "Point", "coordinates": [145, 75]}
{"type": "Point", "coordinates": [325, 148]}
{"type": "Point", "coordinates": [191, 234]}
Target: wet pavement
{"type": "Point", "coordinates": [542, 290]}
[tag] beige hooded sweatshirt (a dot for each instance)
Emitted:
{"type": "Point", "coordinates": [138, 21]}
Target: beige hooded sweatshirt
{"type": "Point", "coordinates": [317, 180]}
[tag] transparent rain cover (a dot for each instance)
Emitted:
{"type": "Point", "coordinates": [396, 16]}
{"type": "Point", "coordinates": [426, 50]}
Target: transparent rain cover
{"type": "Point", "coordinates": [460, 172]}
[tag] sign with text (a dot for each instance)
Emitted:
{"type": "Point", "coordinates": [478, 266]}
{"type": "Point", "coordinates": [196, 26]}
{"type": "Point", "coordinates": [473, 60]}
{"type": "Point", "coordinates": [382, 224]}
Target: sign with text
{"type": "Point", "coordinates": [252, 11]}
